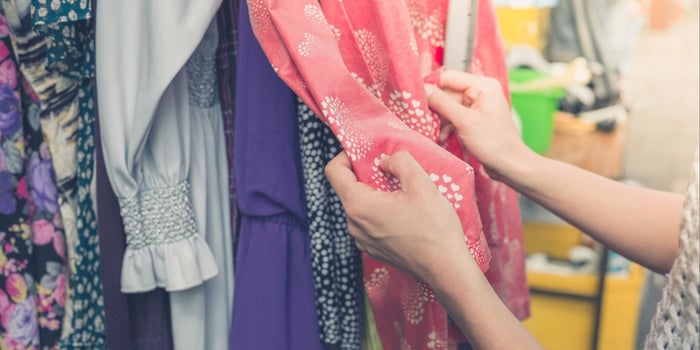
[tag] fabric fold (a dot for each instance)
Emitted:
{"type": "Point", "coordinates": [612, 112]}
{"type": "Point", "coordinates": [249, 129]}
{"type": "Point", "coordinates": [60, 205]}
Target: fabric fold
{"type": "Point", "coordinates": [173, 266]}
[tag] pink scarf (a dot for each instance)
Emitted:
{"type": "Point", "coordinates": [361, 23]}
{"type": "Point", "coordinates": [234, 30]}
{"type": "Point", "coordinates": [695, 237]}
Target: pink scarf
{"type": "Point", "coordinates": [360, 65]}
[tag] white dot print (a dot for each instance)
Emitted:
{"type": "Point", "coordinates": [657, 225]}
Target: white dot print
{"type": "Point", "coordinates": [315, 15]}
{"type": "Point", "coordinates": [336, 31]}
{"type": "Point", "coordinates": [411, 111]}
{"type": "Point", "coordinates": [260, 15]}
{"type": "Point", "coordinates": [413, 44]}
{"type": "Point", "coordinates": [374, 89]}
{"type": "Point", "coordinates": [356, 140]}
{"type": "Point", "coordinates": [435, 343]}
{"type": "Point", "coordinates": [374, 54]}
{"type": "Point", "coordinates": [398, 125]}
{"type": "Point", "coordinates": [413, 303]}
{"type": "Point", "coordinates": [448, 188]}
{"type": "Point", "coordinates": [306, 47]}
{"type": "Point", "coordinates": [376, 284]}
{"type": "Point", "coordinates": [384, 181]}
{"type": "Point", "coordinates": [429, 27]}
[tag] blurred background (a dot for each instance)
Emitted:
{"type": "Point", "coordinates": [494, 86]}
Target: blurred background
{"type": "Point", "coordinates": [611, 86]}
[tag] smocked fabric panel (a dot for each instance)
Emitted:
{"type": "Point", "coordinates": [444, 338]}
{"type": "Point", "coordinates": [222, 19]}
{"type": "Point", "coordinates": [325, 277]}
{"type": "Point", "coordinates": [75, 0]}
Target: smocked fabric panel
{"type": "Point", "coordinates": [202, 82]}
{"type": "Point", "coordinates": [158, 216]}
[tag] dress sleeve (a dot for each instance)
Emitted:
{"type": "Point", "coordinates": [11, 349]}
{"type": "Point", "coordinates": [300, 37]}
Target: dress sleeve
{"type": "Point", "coordinates": [142, 47]}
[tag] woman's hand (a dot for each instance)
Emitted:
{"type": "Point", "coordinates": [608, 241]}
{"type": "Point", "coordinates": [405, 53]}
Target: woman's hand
{"type": "Point", "coordinates": [418, 231]}
{"type": "Point", "coordinates": [476, 110]}
{"type": "Point", "coordinates": [415, 228]}
{"type": "Point", "coordinates": [640, 224]}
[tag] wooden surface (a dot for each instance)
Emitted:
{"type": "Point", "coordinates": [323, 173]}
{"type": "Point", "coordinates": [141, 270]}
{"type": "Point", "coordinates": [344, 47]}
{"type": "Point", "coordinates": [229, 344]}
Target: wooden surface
{"type": "Point", "coordinates": [580, 144]}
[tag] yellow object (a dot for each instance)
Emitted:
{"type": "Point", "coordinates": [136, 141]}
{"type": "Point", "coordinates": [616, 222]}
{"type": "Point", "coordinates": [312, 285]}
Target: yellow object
{"type": "Point", "coordinates": [552, 239]}
{"type": "Point", "coordinates": [523, 25]}
{"type": "Point", "coordinates": [567, 323]}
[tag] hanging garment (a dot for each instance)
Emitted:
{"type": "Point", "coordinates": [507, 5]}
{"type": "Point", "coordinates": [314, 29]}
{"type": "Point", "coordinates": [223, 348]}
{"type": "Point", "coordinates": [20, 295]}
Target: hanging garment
{"type": "Point", "coordinates": [49, 246]}
{"type": "Point", "coordinates": [165, 150]}
{"type": "Point", "coordinates": [202, 314]}
{"type": "Point", "coordinates": [498, 203]}
{"type": "Point", "coordinates": [498, 210]}
{"type": "Point", "coordinates": [274, 295]}
{"type": "Point", "coordinates": [227, 19]}
{"type": "Point", "coordinates": [18, 317]}
{"type": "Point", "coordinates": [336, 58]}
{"type": "Point", "coordinates": [335, 260]}
{"type": "Point", "coordinates": [148, 145]}
{"type": "Point", "coordinates": [46, 251]}
{"type": "Point", "coordinates": [65, 97]}
{"type": "Point", "coordinates": [138, 321]}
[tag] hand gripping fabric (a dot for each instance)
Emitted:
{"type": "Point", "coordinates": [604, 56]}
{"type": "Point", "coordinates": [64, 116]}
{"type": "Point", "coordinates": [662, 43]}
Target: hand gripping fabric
{"type": "Point", "coordinates": [359, 66]}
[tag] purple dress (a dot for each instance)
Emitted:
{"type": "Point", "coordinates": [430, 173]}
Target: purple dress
{"type": "Point", "coordinates": [274, 305]}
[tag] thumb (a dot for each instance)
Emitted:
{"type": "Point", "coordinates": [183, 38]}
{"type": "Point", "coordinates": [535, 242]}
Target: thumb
{"type": "Point", "coordinates": [411, 175]}
{"type": "Point", "coordinates": [450, 109]}
{"type": "Point", "coordinates": [343, 180]}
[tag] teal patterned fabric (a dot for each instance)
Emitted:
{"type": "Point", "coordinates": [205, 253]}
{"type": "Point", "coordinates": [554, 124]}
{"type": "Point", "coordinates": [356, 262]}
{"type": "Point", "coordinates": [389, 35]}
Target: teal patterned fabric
{"type": "Point", "coordinates": [68, 29]}
{"type": "Point", "coordinates": [88, 306]}
{"type": "Point", "coordinates": [60, 11]}
{"type": "Point", "coordinates": [66, 26]}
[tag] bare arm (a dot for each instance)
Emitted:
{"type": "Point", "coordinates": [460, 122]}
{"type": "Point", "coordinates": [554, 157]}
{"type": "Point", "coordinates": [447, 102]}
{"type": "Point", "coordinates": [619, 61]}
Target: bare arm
{"type": "Point", "coordinates": [417, 230]}
{"type": "Point", "coordinates": [640, 224]}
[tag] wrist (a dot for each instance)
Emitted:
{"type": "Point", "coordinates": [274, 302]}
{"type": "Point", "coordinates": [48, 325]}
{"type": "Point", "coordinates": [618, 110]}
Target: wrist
{"type": "Point", "coordinates": [518, 167]}
{"type": "Point", "coordinates": [450, 267]}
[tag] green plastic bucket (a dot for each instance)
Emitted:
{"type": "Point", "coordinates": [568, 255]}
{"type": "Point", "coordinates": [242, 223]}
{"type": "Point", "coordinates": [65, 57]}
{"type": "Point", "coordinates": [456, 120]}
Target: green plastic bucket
{"type": "Point", "coordinates": [535, 108]}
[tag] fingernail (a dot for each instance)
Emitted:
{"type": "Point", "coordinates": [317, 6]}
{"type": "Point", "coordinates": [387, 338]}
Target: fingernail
{"type": "Point", "coordinates": [434, 77]}
{"type": "Point", "coordinates": [429, 89]}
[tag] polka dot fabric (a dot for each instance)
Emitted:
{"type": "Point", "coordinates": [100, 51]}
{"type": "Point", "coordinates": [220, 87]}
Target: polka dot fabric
{"type": "Point", "coordinates": [335, 260]}
{"type": "Point", "coordinates": [342, 72]}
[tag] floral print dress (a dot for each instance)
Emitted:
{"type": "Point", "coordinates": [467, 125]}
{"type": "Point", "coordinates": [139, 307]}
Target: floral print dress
{"type": "Point", "coordinates": [55, 55]}
{"type": "Point", "coordinates": [32, 243]}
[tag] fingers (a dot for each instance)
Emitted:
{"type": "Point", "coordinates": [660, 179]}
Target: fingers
{"type": "Point", "coordinates": [450, 109]}
{"type": "Point", "coordinates": [407, 170]}
{"type": "Point", "coordinates": [446, 129]}
{"type": "Point", "coordinates": [342, 178]}
{"type": "Point", "coordinates": [461, 81]}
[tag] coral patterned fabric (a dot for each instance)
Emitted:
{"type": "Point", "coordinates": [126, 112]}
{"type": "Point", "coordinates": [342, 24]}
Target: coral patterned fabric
{"type": "Point", "coordinates": [360, 66]}
{"type": "Point", "coordinates": [498, 203]}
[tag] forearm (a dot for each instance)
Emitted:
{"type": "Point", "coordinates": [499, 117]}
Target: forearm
{"type": "Point", "coordinates": [471, 302]}
{"type": "Point", "coordinates": [638, 223]}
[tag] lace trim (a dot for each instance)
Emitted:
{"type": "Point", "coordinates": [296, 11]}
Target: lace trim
{"type": "Point", "coordinates": [158, 216]}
